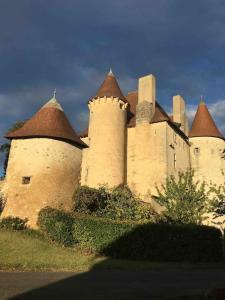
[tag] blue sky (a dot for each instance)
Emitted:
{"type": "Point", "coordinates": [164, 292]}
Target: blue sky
{"type": "Point", "coordinates": [70, 45]}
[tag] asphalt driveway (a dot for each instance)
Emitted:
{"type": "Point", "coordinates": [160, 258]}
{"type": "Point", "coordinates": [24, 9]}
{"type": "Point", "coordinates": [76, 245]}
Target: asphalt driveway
{"type": "Point", "coordinates": [109, 284]}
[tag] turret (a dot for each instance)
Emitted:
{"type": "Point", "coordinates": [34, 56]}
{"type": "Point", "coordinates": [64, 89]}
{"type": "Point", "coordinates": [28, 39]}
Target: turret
{"type": "Point", "coordinates": [107, 123]}
{"type": "Point", "coordinates": [44, 164]}
{"type": "Point", "coordinates": [207, 146]}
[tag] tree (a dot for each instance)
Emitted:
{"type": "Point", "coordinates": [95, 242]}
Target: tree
{"type": "Point", "coordinates": [5, 148]}
{"type": "Point", "coordinates": [218, 192]}
{"type": "Point", "coordinates": [184, 199]}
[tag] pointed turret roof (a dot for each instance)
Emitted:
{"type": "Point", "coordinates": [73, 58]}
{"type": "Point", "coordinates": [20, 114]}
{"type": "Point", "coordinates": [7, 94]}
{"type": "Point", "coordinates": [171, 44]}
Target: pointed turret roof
{"type": "Point", "coordinates": [110, 88]}
{"type": "Point", "coordinates": [50, 121]}
{"type": "Point", "coordinates": [203, 124]}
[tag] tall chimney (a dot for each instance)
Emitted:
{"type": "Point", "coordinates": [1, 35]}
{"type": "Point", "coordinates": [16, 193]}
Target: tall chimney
{"type": "Point", "coordinates": [179, 115]}
{"type": "Point", "coordinates": [146, 99]}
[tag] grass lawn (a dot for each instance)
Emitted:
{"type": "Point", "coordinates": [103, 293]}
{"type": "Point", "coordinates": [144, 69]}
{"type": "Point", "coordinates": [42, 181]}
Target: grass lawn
{"type": "Point", "coordinates": [21, 250]}
{"type": "Point", "coordinates": [24, 250]}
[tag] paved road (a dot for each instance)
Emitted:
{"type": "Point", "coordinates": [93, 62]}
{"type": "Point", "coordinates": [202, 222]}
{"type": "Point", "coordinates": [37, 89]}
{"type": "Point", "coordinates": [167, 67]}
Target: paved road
{"type": "Point", "coordinates": [108, 284]}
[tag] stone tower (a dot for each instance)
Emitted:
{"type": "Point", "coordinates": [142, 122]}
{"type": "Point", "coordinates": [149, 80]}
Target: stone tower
{"type": "Point", "coordinates": [44, 164]}
{"type": "Point", "coordinates": [105, 158]}
{"type": "Point", "coordinates": [207, 146]}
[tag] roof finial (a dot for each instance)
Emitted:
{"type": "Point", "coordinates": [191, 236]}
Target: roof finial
{"type": "Point", "coordinates": [202, 100]}
{"type": "Point", "coordinates": [54, 93]}
{"type": "Point", "coordinates": [110, 72]}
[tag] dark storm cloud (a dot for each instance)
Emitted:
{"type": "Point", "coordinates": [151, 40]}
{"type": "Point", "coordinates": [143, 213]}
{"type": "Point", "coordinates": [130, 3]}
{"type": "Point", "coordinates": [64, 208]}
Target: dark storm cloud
{"type": "Point", "coordinates": [70, 45]}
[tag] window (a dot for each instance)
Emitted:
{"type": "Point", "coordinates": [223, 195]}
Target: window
{"type": "Point", "coordinates": [196, 151]}
{"type": "Point", "coordinates": [174, 160]}
{"type": "Point", "coordinates": [26, 180]}
{"type": "Point", "coordinates": [174, 137]}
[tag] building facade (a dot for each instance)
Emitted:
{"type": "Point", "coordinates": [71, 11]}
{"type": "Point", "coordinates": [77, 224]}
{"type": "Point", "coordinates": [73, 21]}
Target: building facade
{"type": "Point", "coordinates": [130, 140]}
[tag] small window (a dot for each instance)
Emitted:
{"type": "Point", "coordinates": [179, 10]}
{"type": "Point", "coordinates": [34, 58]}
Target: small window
{"type": "Point", "coordinates": [25, 180]}
{"type": "Point", "coordinates": [175, 160]}
{"type": "Point", "coordinates": [175, 137]}
{"type": "Point", "coordinates": [196, 151]}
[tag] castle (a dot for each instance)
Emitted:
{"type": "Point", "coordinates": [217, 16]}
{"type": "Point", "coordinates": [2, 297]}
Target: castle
{"type": "Point", "coordinates": [130, 140]}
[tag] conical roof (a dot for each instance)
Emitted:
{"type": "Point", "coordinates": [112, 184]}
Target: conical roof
{"type": "Point", "coordinates": [203, 124]}
{"type": "Point", "coordinates": [110, 88]}
{"type": "Point", "coordinates": [50, 121]}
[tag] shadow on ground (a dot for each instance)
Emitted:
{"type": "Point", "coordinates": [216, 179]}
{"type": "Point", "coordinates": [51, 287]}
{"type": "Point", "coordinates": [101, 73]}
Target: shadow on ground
{"type": "Point", "coordinates": [101, 282]}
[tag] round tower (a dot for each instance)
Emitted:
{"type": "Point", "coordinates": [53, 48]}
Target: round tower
{"type": "Point", "coordinates": [106, 153]}
{"type": "Point", "coordinates": [44, 164]}
{"type": "Point", "coordinates": [207, 146]}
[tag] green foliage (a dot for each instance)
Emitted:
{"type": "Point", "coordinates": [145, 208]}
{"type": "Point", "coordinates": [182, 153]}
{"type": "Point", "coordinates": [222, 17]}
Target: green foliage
{"type": "Point", "coordinates": [184, 199]}
{"type": "Point", "coordinates": [115, 204]}
{"type": "Point", "coordinates": [88, 200]}
{"type": "Point", "coordinates": [218, 192]}
{"type": "Point", "coordinates": [13, 223]}
{"type": "Point", "coordinates": [56, 225]}
{"type": "Point", "coordinates": [2, 202]}
{"type": "Point", "coordinates": [126, 240]}
{"type": "Point", "coordinates": [17, 125]}
{"type": "Point", "coordinates": [168, 242]}
{"type": "Point", "coordinates": [5, 148]}
{"type": "Point", "coordinates": [95, 233]}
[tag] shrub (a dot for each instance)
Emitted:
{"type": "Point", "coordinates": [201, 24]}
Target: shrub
{"type": "Point", "coordinates": [115, 204]}
{"type": "Point", "coordinates": [184, 199]}
{"type": "Point", "coordinates": [89, 200]}
{"type": "Point", "coordinates": [166, 242]}
{"type": "Point", "coordinates": [218, 192]}
{"type": "Point", "coordinates": [126, 240]}
{"type": "Point", "coordinates": [2, 202]}
{"type": "Point", "coordinates": [57, 225]}
{"type": "Point", "coordinates": [13, 223]}
{"type": "Point", "coordinates": [96, 233]}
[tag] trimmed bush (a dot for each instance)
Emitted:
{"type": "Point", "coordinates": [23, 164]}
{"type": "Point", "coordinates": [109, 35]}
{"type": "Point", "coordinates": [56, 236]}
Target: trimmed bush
{"type": "Point", "coordinates": [56, 225]}
{"type": "Point", "coordinates": [13, 223]}
{"type": "Point", "coordinates": [153, 242]}
{"type": "Point", "coordinates": [97, 233]}
{"type": "Point", "coordinates": [165, 242]}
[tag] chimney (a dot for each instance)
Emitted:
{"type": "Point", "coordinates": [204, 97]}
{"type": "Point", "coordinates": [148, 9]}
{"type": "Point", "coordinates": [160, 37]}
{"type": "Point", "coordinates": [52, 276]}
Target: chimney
{"type": "Point", "coordinates": [146, 99]}
{"type": "Point", "coordinates": [179, 115]}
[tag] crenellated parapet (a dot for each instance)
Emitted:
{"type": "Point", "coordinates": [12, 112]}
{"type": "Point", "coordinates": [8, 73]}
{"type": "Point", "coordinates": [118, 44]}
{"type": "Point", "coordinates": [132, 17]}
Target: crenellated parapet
{"type": "Point", "coordinates": [92, 104]}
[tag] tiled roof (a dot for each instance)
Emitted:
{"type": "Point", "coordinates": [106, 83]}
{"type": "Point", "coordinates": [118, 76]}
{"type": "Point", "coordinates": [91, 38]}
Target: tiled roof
{"type": "Point", "coordinates": [50, 121]}
{"type": "Point", "coordinates": [110, 88]}
{"type": "Point", "coordinates": [159, 116]}
{"type": "Point", "coordinates": [203, 124]}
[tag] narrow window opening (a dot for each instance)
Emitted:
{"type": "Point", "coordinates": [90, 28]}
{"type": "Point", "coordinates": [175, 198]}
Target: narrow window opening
{"type": "Point", "coordinates": [175, 160]}
{"type": "Point", "coordinates": [26, 180]}
{"type": "Point", "coordinates": [196, 151]}
{"type": "Point", "coordinates": [175, 138]}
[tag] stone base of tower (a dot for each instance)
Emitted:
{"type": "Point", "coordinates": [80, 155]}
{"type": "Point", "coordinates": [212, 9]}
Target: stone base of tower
{"type": "Point", "coordinates": [41, 172]}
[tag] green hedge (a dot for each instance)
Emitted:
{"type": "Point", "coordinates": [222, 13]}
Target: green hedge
{"type": "Point", "coordinates": [57, 225]}
{"type": "Point", "coordinates": [98, 233]}
{"type": "Point", "coordinates": [154, 242]}
{"type": "Point", "coordinates": [165, 242]}
{"type": "Point", "coordinates": [13, 223]}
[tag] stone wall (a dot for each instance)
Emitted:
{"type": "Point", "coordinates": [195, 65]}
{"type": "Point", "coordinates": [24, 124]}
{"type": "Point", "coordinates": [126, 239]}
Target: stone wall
{"type": "Point", "coordinates": [206, 159]}
{"type": "Point", "coordinates": [105, 158]}
{"type": "Point", "coordinates": [54, 169]}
